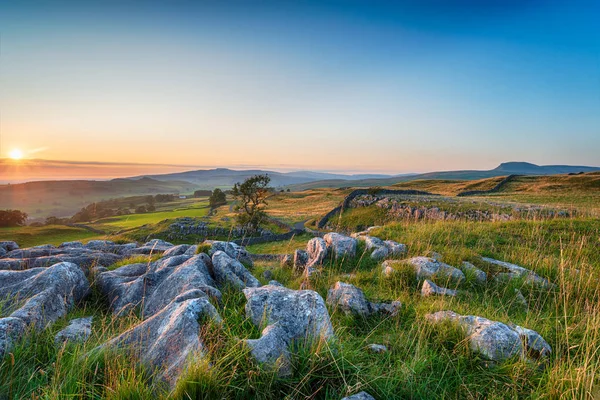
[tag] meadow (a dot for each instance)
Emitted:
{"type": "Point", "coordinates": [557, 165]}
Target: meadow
{"type": "Point", "coordinates": [423, 361]}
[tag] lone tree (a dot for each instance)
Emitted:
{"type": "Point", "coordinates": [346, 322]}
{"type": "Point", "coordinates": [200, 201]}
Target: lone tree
{"type": "Point", "coordinates": [252, 195]}
{"type": "Point", "coordinates": [12, 218]}
{"type": "Point", "coordinates": [217, 198]}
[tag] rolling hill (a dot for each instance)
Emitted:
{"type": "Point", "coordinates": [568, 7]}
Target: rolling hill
{"type": "Point", "coordinates": [63, 198]}
{"type": "Point", "coordinates": [225, 178]}
{"type": "Point", "coordinates": [508, 168]}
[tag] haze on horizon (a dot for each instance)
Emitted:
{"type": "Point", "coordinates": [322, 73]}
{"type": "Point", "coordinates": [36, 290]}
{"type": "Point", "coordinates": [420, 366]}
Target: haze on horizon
{"type": "Point", "coordinates": [341, 86]}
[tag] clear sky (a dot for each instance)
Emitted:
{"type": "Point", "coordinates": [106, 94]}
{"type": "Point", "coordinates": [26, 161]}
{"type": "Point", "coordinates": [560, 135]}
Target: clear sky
{"type": "Point", "coordinates": [405, 86]}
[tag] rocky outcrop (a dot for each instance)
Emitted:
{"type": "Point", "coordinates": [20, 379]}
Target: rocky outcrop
{"type": "Point", "coordinates": [287, 315]}
{"type": "Point", "coordinates": [44, 256]}
{"type": "Point", "coordinates": [428, 268]}
{"type": "Point", "coordinates": [38, 297]}
{"type": "Point", "coordinates": [167, 341]}
{"type": "Point", "coordinates": [431, 289]}
{"type": "Point", "coordinates": [352, 301]}
{"type": "Point", "coordinates": [383, 249]}
{"type": "Point", "coordinates": [316, 248]}
{"type": "Point", "coordinates": [182, 249]}
{"type": "Point", "coordinates": [228, 270]}
{"type": "Point", "coordinates": [93, 254]}
{"type": "Point", "coordinates": [232, 249]}
{"type": "Point", "coordinates": [78, 331]}
{"type": "Point", "coordinates": [300, 260]}
{"type": "Point", "coordinates": [340, 245]}
{"type": "Point", "coordinates": [512, 271]}
{"type": "Point", "coordinates": [471, 270]}
{"type": "Point", "coordinates": [154, 246]}
{"type": "Point", "coordinates": [156, 284]}
{"type": "Point", "coordinates": [494, 340]}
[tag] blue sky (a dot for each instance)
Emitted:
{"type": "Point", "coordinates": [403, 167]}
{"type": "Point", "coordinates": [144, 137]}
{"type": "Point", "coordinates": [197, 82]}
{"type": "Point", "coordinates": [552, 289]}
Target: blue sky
{"type": "Point", "coordinates": [348, 85]}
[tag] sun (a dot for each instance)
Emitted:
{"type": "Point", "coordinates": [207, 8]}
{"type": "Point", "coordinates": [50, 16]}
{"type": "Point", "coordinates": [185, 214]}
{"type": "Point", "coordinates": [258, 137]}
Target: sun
{"type": "Point", "coordinates": [16, 154]}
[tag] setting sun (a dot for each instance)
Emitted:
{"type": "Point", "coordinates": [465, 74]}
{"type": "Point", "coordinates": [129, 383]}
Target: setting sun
{"type": "Point", "coordinates": [16, 154]}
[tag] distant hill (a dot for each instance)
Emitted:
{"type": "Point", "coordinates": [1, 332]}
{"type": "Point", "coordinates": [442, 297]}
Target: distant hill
{"type": "Point", "coordinates": [225, 178]}
{"type": "Point", "coordinates": [508, 168]}
{"type": "Point", "coordinates": [64, 198]}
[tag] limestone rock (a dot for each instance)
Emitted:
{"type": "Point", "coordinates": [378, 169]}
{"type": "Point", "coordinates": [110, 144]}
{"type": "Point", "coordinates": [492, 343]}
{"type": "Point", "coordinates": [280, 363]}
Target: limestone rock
{"type": "Point", "coordinates": [182, 249]}
{"type": "Point", "coordinates": [300, 260]}
{"type": "Point", "coordinates": [341, 245]}
{"type": "Point", "coordinates": [39, 297]}
{"type": "Point", "coordinates": [316, 249]}
{"type": "Point", "coordinates": [494, 340]}
{"type": "Point", "coordinates": [382, 249]}
{"type": "Point", "coordinates": [428, 268]}
{"type": "Point", "coordinates": [232, 249]}
{"type": "Point", "coordinates": [470, 269]}
{"type": "Point", "coordinates": [167, 341]}
{"type": "Point", "coordinates": [287, 315]}
{"type": "Point", "coordinates": [516, 271]}
{"type": "Point", "coordinates": [349, 299]}
{"type": "Point", "coordinates": [352, 301]}
{"type": "Point", "coordinates": [8, 245]}
{"type": "Point", "coordinates": [156, 284]}
{"type": "Point", "coordinates": [78, 331]}
{"type": "Point", "coordinates": [431, 289]}
{"type": "Point", "coordinates": [230, 270]}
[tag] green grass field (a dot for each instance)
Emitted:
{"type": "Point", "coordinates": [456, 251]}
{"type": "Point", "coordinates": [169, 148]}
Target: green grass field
{"type": "Point", "coordinates": [194, 210]}
{"type": "Point", "coordinates": [28, 236]}
{"type": "Point", "coordinates": [423, 362]}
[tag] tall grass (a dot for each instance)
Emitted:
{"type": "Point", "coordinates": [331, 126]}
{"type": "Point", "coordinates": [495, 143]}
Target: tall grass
{"type": "Point", "coordinates": [423, 361]}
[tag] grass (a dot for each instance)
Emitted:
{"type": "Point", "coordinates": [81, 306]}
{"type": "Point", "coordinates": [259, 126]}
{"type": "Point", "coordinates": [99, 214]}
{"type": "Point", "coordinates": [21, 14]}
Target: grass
{"type": "Point", "coordinates": [27, 236]}
{"type": "Point", "coordinates": [424, 361]}
{"type": "Point", "coordinates": [301, 206]}
{"type": "Point", "coordinates": [281, 247]}
{"type": "Point", "coordinates": [198, 209]}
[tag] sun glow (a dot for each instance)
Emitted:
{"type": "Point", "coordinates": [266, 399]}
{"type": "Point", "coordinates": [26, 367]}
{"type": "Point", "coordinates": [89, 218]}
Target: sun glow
{"type": "Point", "coordinates": [16, 154]}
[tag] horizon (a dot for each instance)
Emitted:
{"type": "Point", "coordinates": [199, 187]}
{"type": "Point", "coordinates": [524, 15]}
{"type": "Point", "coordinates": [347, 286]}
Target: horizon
{"type": "Point", "coordinates": [360, 87]}
{"type": "Point", "coordinates": [32, 170]}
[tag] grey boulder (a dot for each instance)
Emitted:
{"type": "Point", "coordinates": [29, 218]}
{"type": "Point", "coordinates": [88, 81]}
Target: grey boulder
{"type": "Point", "coordinates": [168, 341]}
{"type": "Point", "coordinates": [494, 340]}
{"type": "Point", "coordinates": [287, 315]}
{"type": "Point", "coordinates": [340, 245]}
{"type": "Point", "coordinates": [156, 284]}
{"type": "Point", "coordinates": [78, 331]}
{"type": "Point", "coordinates": [470, 269]}
{"type": "Point", "coordinates": [352, 301]}
{"type": "Point", "coordinates": [431, 289]}
{"type": "Point", "coordinates": [232, 249]}
{"type": "Point", "coordinates": [514, 271]}
{"type": "Point", "coordinates": [228, 270]}
{"type": "Point", "coordinates": [428, 268]}
{"type": "Point", "coordinates": [8, 245]}
{"type": "Point", "coordinates": [39, 297]}
{"type": "Point", "coordinates": [316, 248]}
{"type": "Point", "coordinates": [300, 260]}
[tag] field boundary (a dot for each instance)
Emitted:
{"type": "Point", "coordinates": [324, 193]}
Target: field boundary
{"type": "Point", "coordinates": [359, 192]}
{"type": "Point", "coordinates": [495, 189]}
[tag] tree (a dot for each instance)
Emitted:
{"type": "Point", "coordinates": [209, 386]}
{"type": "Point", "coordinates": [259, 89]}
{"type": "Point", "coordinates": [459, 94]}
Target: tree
{"type": "Point", "coordinates": [202, 193]}
{"type": "Point", "coordinates": [252, 195]}
{"type": "Point", "coordinates": [217, 198]}
{"type": "Point", "coordinates": [12, 218]}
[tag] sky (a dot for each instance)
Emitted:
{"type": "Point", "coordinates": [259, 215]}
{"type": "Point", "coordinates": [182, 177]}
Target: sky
{"type": "Point", "coordinates": [373, 86]}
